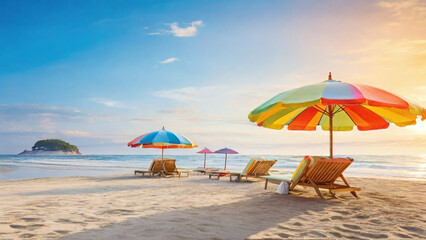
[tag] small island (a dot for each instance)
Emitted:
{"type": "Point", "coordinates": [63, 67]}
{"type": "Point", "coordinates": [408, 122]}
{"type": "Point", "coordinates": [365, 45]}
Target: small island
{"type": "Point", "coordinates": [52, 147]}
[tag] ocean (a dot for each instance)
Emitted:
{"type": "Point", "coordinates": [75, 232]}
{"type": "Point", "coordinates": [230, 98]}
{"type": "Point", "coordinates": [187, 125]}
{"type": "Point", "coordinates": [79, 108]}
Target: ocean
{"type": "Point", "coordinates": [20, 166]}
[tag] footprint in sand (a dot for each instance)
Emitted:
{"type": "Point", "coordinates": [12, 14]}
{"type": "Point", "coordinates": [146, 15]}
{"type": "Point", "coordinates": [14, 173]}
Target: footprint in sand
{"type": "Point", "coordinates": [70, 221]}
{"type": "Point", "coordinates": [201, 229]}
{"type": "Point", "coordinates": [376, 221]}
{"type": "Point", "coordinates": [286, 228]}
{"type": "Point", "coordinates": [355, 238]}
{"type": "Point", "coordinates": [27, 235]}
{"type": "Point", "coordinates": [342, 212]}
{"type": "Point", "coordinates": [336, 234]}
{"type": "Point", "coordinates": [119, 212]}
{"type": "Point", "coordinates": [355, 227]}
{"type": "Point", "coordinates": [34, 226]}
{"type": "Point", "coordinates": [336, 218]}
{"type": "Point", "coordinates": [359, 233]}
{"type": "Point", "coordinates": [17, 226]}
{"type": "Point", "coordinates": [317, 234]}
{"type": "Point", "coordinates": [400, 235]}
{"type": "Point", "coordinates": [284, 235]}
{"type": "Point", "coordinates": [62, 231]}
{"type": "Point", "coordinates": [297, 224]}
{"type": "Point", "coordinates": [362, 216]}
{"type": "Point", "coordinates": [312, 235]}
{"type": "Point", "coordinates": [29, 219]}
{"type": "Point", "coordinates": [413, 229]}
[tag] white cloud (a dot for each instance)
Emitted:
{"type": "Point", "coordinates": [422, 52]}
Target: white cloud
{"type": "Point", "coordinates": [169, 60]}
{"type": "Point", "coordinates": [189, 31]}
{"type": "Point", "coordinates": [106, 102]}
{"type": "Point", "coordinates": [413, 10]}
{"type": "Point", "coordinates": [185, 94]}
{"type": "Point", "coordinates": [72, 133]}
{"type": "Point", "coordinates": [154, 33]}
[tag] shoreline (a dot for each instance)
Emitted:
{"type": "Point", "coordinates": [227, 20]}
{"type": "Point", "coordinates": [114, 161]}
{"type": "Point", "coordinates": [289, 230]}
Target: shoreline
{"type": "Point", "coordinates": [4, 169]}
{"type": "Point", "coordinates": [128, 207]}
{"type": "Point", "coordinates": [57, 166]}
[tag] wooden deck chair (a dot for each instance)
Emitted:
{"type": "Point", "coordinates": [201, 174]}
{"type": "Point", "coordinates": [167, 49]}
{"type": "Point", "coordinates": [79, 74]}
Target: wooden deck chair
{"type": "Point", "coordinates": [319, 172]}
{"type": "Point", "coordinates": [255, 168]}
{"type": "Point", "coordinates": [170, 169]}
{"type": "Point", "coordinates": [155, 168]}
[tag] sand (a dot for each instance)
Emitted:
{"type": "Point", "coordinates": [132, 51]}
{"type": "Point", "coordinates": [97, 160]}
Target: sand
{"type": "Point", "coordinates": [128, 207]}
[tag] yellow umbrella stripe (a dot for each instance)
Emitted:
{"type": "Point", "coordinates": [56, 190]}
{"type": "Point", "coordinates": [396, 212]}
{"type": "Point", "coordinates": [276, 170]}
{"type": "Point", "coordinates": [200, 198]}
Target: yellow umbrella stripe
{"type": "Point", "coordinates": [278, 121]}
{"type": "Point", "coordinates": [401, 117]}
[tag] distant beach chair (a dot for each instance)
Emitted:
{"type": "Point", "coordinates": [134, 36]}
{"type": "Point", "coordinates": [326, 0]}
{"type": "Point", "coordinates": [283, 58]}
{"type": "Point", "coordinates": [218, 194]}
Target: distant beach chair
{"type": "Point", "coordinates": [318, 172]}
{"type": "Point", "coordinates": [217, 173]}
{"type": "Point", "coordinates": [163, 167]}
{"type": "Point", "coordinates": [256, 167]}
{"type": "Point", "coordinates": [204, 171]}
{"type": "Point", "coordinates": [170, 169]}
{"type": "Point", "coordinates": [155, 168]}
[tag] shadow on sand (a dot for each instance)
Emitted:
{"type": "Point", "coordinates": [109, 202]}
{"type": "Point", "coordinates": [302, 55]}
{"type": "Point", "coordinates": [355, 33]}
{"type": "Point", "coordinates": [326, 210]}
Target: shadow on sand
{"type": "Point", "coordinates": [236, 220]}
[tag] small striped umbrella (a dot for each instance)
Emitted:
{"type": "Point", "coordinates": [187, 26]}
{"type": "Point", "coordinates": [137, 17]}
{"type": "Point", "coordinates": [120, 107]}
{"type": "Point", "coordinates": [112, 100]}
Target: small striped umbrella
{"type": "Point", "coordinates": [336, 106]}
{"type": "Point", "coordinates": [226, 151]}
{"type": "Point", "coordinates": [162, 139]}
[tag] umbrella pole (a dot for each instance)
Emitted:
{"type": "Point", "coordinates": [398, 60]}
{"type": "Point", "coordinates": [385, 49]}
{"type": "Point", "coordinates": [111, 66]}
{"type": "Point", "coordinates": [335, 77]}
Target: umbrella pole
{"type": "Point", "coordinates": [330, 115]}
{"type": "Point", "coordinates": [162, 153]}
{"type": "Point", "coordinates": [205, 160]}
{"type": "Point", "coordinates": [226, 156]}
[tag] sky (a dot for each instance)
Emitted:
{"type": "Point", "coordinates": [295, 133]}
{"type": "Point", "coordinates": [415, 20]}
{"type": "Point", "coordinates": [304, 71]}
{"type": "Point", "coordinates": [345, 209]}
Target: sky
{"type": "Point", "coordinates": [97, 74]}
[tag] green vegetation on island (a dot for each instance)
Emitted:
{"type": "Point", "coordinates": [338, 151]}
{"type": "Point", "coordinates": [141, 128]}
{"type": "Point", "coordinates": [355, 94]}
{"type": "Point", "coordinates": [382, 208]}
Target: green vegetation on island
{"type": "Point", "coordinates": [54, 145]}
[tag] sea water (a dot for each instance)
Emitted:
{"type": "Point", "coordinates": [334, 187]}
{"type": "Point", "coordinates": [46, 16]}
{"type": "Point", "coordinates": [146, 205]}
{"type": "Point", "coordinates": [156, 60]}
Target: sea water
{"type": "Point", "coordinates": [26, 166]}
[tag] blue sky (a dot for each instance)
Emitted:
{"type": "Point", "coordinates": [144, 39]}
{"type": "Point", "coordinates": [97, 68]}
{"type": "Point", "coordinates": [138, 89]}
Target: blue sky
{"type": "Point", "coordinates": [99, 73]}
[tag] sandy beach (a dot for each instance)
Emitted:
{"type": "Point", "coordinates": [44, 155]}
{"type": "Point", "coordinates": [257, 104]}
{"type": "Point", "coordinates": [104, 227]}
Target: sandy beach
{"type": "Point", "coordinates": [128, 207]}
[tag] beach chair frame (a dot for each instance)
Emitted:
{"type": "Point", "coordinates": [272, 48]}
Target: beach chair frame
{"type": "Point", "coordinates": [258, 169]}
{"type": "Point", "coordinates": [170, 169]}
{"type": "Point", "coordinates": [154, 169]}
{"type": "Point", "coordinates": [322, 174]}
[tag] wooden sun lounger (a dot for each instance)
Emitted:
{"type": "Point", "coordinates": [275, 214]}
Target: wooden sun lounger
{"type": "Point", "coordinates": [170, 169]}
{"type": "Point", "coordinates": [323, 173]}
{"type": "Point", "coordinates": [255, 168]}
{"type": "Point", "coordinates": [163, 167]}
{"type": "Point", "coordinates": [204, 171]}
{"type": "Point", "coordinates": [155, 168]}
{"type": "Point", "coordinates": [217, 174]}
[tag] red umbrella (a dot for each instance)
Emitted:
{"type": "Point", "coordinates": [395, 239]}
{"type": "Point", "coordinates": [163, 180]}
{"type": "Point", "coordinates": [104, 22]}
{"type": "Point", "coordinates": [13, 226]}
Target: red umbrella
{"type": "Point", "coordinates": [205, 151]}
{"type": "Point", "coordinates": [226, 151]}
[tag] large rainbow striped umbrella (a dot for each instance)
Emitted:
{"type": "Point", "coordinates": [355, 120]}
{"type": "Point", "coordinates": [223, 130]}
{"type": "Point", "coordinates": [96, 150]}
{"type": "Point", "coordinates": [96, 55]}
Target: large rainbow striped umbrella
{"type": "Point", "coordinates": [162, 139]}
{"type": "Point", "coordinates": [336, 106]}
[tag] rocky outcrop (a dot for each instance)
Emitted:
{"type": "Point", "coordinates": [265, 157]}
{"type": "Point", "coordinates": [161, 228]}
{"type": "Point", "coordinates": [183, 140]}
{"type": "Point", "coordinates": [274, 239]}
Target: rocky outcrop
{"type": "Point", "coordinates": [52, 147]}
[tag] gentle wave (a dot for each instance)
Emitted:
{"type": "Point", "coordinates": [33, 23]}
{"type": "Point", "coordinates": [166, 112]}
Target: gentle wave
{"type": "Point", "coordinates": [21, 166]}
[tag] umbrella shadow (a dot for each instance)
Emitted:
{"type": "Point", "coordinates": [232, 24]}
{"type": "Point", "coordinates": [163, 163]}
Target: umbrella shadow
{"type": "Point", "coordinates": [237, 220]}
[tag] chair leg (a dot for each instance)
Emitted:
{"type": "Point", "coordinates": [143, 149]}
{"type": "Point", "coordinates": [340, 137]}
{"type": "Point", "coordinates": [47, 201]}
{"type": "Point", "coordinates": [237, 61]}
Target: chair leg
{"type": "Point", "coordinates": [266, 184]}
{"type": "Point", "coordinates": [355, 195]}
{"type": "Point", "coordinates": [316, 189]}
{"type": "Point", "coordinates": [332, 194]}
{"type": "Point", "coordinates": [347, 184]}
